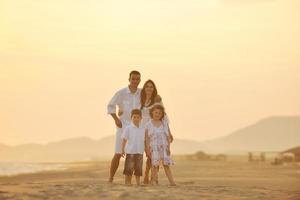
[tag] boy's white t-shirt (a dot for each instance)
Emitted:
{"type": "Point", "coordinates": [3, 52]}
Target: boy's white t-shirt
{"type": "Point", "coordinates": [135, 137]}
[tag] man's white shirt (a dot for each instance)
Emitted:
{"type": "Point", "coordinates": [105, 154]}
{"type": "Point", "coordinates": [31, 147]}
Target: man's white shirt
{"type": "Point", "coordinates": [126, 102]}
{"type": "Point", "coordinates": [135, 137]}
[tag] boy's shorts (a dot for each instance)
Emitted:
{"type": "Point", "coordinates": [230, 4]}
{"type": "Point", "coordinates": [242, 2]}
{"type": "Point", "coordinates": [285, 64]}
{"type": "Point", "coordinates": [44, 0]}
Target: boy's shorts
{"type": "Point", "coordinates": [133, 162]}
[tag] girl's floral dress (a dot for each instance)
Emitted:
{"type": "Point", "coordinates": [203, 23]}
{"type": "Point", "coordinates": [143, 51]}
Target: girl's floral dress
{"type": "Point", "coordinates": [159, 144]}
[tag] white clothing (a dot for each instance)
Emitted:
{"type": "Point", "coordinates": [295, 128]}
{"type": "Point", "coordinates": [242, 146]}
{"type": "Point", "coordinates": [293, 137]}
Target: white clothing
{"type": "Point", "coordinates": [126, 101]}
{"type": "Point", "coordinates": [135, 137]}
{"type": "Point", "coordinates": [159, 144]}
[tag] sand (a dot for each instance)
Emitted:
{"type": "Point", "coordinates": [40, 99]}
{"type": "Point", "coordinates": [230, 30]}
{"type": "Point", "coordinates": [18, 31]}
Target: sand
{"type": "Point", "coordinates": [227, 180]}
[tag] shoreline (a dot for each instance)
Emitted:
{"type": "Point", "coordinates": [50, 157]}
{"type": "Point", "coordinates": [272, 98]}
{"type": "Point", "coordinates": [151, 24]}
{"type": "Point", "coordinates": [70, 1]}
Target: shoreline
{"type": "Point", "coordinates": [49, 167]}
{"type": "Point", "coordinates": [194, 179]}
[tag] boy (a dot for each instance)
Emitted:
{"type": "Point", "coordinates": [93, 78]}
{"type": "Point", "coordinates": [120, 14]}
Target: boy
{"type": "Point", "coordinates": [133, 140]}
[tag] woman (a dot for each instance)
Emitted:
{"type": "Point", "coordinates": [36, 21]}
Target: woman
{"type": "Point", "coordinates": [149, 98]}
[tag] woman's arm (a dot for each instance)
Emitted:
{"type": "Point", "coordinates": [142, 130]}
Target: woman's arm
{"type": "Point", "coordinates": [170, 138]}
{"type": "Point", "coordinates": [147, 144]}
{"type": "Point", "coordinates": [158, 99]}
{"type": "Point", "coordinates": [168, 150]}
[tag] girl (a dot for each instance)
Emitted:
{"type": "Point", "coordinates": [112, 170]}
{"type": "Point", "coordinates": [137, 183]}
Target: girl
{"type": "Point", "coordinates": [150, 98]}
{"type": "Point", "coordinates": [158, 144]}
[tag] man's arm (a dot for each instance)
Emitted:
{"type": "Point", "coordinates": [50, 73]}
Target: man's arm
{"type": "Point", "coordinates": [111, 109]}
{"type": "Point", "coordinates": [117, 120]}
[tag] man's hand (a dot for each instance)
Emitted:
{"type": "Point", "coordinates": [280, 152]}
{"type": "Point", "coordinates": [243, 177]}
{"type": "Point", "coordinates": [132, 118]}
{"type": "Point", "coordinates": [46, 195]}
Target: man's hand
{"type": "Point", "coordinates": [120, 112]}
{"type": "Point", "coordinates": [118, 122]}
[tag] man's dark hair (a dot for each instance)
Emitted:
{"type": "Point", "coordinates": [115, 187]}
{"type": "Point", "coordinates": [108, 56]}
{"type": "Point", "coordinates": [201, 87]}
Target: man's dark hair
{"type": "Point", "coordinates": [134, 72]}
{"type": "Point", "coordinates": [136, 112]}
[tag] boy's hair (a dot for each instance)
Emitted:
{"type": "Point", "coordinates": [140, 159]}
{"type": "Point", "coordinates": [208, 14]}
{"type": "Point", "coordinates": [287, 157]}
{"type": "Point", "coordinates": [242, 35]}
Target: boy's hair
{"type": "Point", "coordinates": [134, 72]}
{"type": "Point", "coordinates": [136, 112]}
{"type": "Point", "coordinates": [159, 107]}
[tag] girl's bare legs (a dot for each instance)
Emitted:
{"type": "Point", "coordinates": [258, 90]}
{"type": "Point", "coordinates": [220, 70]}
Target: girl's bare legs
{"type": "Point", "coordinates": [169, 175]}
{"type": "Point", "coordinates": [147, 171]}
{"type": "Point", "coordinates": [154, 179]}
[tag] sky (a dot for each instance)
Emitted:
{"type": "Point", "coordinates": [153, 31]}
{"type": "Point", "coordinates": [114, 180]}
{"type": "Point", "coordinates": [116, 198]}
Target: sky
{"type": "Point", "coordinates": [219, 65]}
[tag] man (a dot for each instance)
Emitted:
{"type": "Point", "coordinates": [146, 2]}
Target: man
{"type": "Point", "coordinates": [126, 100]}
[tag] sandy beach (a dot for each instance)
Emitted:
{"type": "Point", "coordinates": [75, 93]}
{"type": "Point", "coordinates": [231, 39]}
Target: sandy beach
{"type": "Point", "coordinates": [195, 180]}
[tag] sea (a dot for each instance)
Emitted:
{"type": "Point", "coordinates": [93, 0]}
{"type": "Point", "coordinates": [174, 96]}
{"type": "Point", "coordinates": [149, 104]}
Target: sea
{"type": "Point", "coordinates": [15, 168]}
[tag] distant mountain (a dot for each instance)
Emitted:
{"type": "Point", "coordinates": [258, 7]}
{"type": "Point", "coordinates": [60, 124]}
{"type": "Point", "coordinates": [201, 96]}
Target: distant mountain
{"type": "Point", "coordinates": [3, 147]}
{"type": "Point", "coordinates": [270, 134]}
{"type": "Point", "coordinates": [74, 149]}
{"type": "Point", "coordinates": [77, 149]}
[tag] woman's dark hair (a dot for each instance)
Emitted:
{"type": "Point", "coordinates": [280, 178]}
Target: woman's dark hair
{"type": "Point", "coordinates": [159, 107]}
{"type": "Point", "coordinates": [143, 94]}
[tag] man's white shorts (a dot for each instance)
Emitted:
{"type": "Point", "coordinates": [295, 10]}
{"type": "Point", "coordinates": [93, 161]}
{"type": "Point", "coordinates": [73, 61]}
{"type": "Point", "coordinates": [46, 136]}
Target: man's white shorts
{"type": "Point", "coordinates": [118, 143]}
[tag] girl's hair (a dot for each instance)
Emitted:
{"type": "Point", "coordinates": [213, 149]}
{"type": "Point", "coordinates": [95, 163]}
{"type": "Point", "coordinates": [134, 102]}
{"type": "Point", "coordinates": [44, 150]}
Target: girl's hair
{"type": "Point", "coordinates": [159, 107]}
{"type": "Point", "coordinates": [143, 94]}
